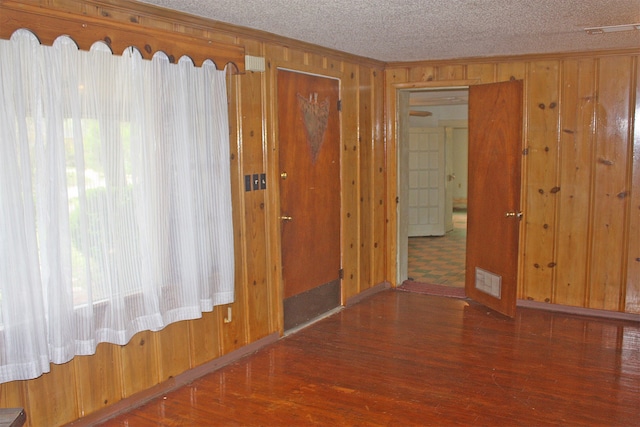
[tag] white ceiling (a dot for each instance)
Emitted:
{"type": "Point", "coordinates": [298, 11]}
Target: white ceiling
{"type": "Point", "coordinates": [415, 30]}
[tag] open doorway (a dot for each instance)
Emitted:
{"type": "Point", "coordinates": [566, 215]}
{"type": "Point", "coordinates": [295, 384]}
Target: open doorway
{"type": "Point", "coordinates": [432, 171]}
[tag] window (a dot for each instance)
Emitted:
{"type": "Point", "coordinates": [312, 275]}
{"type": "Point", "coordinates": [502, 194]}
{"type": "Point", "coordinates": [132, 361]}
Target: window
{"type": "Point", "coordinates": [115, 198]}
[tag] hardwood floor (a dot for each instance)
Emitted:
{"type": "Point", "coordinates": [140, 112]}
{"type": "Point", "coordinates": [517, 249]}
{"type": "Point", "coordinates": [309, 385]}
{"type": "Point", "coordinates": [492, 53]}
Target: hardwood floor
{"type": "Point", "coordinates": [401, 359]}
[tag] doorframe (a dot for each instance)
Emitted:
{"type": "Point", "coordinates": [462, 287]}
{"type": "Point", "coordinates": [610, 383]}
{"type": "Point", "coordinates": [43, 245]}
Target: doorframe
{"type": "Point", "coordinates": [392, 110]}
{"type": "Point", "coordinates": [454, 124]}
{"type": "Point", "coordinates": [271, 157]}
{"type": "Point", "coordinates": [398, 238]}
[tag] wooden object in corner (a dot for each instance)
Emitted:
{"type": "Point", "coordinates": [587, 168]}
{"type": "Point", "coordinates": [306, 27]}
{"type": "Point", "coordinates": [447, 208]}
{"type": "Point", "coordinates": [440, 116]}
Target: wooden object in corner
{"type": "Point", "coordinates": [12, 417]}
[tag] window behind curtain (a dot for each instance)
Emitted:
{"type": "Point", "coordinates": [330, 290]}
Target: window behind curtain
{"type": "Point", "coordinates": [114, 195]}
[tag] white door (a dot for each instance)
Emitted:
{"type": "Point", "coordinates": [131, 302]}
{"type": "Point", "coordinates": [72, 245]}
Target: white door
{"type": "Point", "coordinates": [426, 182]}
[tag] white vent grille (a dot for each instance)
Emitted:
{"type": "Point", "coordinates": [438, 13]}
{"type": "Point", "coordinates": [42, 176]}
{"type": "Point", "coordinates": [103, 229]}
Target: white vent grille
{"type": "Point", "coordinates": [488, 282]}
{"type": "Point", "coordinates": [254, 63]}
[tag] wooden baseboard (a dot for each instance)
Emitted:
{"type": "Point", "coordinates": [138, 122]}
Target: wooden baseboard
{"type": "Point", "coordinates": [187, 377]}
{"type": "Point", "coordinates": [590, 312]}
{"type": "Point", "coordinates": [367, 293]}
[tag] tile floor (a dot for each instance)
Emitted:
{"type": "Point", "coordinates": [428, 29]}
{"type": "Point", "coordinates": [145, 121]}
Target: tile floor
{"type": "Point", "coordinates": [440, 260]}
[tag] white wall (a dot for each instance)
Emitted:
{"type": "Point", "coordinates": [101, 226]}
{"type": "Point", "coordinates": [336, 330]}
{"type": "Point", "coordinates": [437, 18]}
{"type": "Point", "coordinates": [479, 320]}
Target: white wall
{"type": "Point", "coordinates": [460, 166]}
{"type": "Point", "coordinates": [446, 112]}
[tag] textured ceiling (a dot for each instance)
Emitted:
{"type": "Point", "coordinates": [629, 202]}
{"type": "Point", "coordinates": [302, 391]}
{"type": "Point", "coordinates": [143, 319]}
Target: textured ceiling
{"type": "Point", "coordinates": [414, 30]}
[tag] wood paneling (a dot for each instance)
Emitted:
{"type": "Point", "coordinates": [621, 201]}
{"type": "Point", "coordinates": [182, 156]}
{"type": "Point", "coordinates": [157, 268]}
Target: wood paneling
{"type": "Point", "coordinates": [541, 145]}
{"type": "Point", "coordinates": [379, 254]}
{"type": "Point", "coordinates": [85, 30]}
{"type": "Point", "coordinates": [393, 77]}
{"type": "Point", "coordinates": [513, 70]}
{"type": "Point", "coordinates": [53, 399]}
{"type": "Point", "coordinates": [576, 154]}
{"type": "Point", "coordinates": [595, 99]}
{"type": "Point", "coordinates": [610, 190]}
{"type": "Point", "coordinates": [632, 300]}
{"type": "Point", "coordinates": [422, 74]}
{"type": "Point", "coordinates": [139, 365]}
{"type": "Point", "coordinates": [90, 383]}
{"type": "Point", "coordinates": [252, 141]}
{"type": "Point", "coordinates": [582, 160]}
{"type": "Point", "coordinates": [12, 394]}
{"type": "Point", "coordinates": [205, 342]}
{"type": "Point", "coordinates": [365, 147]}
{"type": "Point", "coordinates": [98, 379]}
{"type": "Point", "coordinates": [233, 334]}
{"type": "Point", "coordinates": [350, 180]}
{"type": "Point", "coordinates": [484, 73]}
{"type": "Point", "coordinates": [451, 72]}
{"type": "Point", "coordinates": [173, 350]}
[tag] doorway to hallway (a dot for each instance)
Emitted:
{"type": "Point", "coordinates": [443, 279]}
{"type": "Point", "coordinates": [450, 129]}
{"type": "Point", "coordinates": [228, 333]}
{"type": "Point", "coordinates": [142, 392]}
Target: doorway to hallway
{"type": "Point", "coordinates": [495, 123]}
{"type": "Point", "coordinates": [437, 146]}
{"type": "Point", "coordinates": [440, 260]}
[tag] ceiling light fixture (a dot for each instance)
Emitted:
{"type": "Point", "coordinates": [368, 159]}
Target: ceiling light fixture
{"type": "Point", "coordinates": [420, 113]}
{"type": "Point", "coordinates": [612, 29]}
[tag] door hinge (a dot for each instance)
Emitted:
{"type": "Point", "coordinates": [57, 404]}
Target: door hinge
{"type": "Point", "coordinates": [341, 273]}
{"type": "Point", "coordinates": [339, 104]}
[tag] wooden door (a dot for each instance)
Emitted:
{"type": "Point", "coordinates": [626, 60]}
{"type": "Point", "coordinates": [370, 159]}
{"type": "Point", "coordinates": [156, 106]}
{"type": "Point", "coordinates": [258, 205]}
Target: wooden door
{"type": "Point", "coordinates": [309, 161]}
{"type": "Point", "coordinates": [426, 182]}
{"type": "Point", "coordinates": [493, 222]}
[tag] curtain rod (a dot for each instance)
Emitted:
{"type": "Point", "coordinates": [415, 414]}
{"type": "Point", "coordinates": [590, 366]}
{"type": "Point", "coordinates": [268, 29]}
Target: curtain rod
{"type": "Point", "coordinates": [48, 24]}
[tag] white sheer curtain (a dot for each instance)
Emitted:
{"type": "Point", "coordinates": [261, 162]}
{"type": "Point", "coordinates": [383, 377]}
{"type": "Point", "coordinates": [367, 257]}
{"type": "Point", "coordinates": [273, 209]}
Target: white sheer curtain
{"type": "Point", "coordinates": [114, 198]}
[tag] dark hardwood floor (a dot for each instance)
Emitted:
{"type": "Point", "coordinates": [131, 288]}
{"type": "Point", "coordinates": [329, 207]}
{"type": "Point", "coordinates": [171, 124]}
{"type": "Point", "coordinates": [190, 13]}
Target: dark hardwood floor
{"type": "Point", "coordinates": [401, 359]}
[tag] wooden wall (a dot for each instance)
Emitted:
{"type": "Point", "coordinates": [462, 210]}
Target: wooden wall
{"type": "Point", "coordinates": [90, 383]}
{"type": "Point", "coordinates": [580, 243]}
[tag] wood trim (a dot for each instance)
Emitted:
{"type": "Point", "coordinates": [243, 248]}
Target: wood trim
{"type": "Point", "coordinates": [368, 293]}
{"type": "Point", "coordinates": [48, 24]}
{"type": "Point", "coordinates": [173, 16]}
{"type": "Point", "coordinates": [578, 311]}
{"type": "Point", "coordinates": [176, 18]}
{"type": "Point", "coordinates": [513, 58]}
{"type": "Point", "coordinates": [436, 84]}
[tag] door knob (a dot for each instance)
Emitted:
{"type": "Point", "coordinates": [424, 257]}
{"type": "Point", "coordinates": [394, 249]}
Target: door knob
{"type": "Point", "coordinates": [514, 215]}
{"type": "Point", "coordinates": [286, 218]}
{"type": "Point", "coordinates": [283, 175]}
